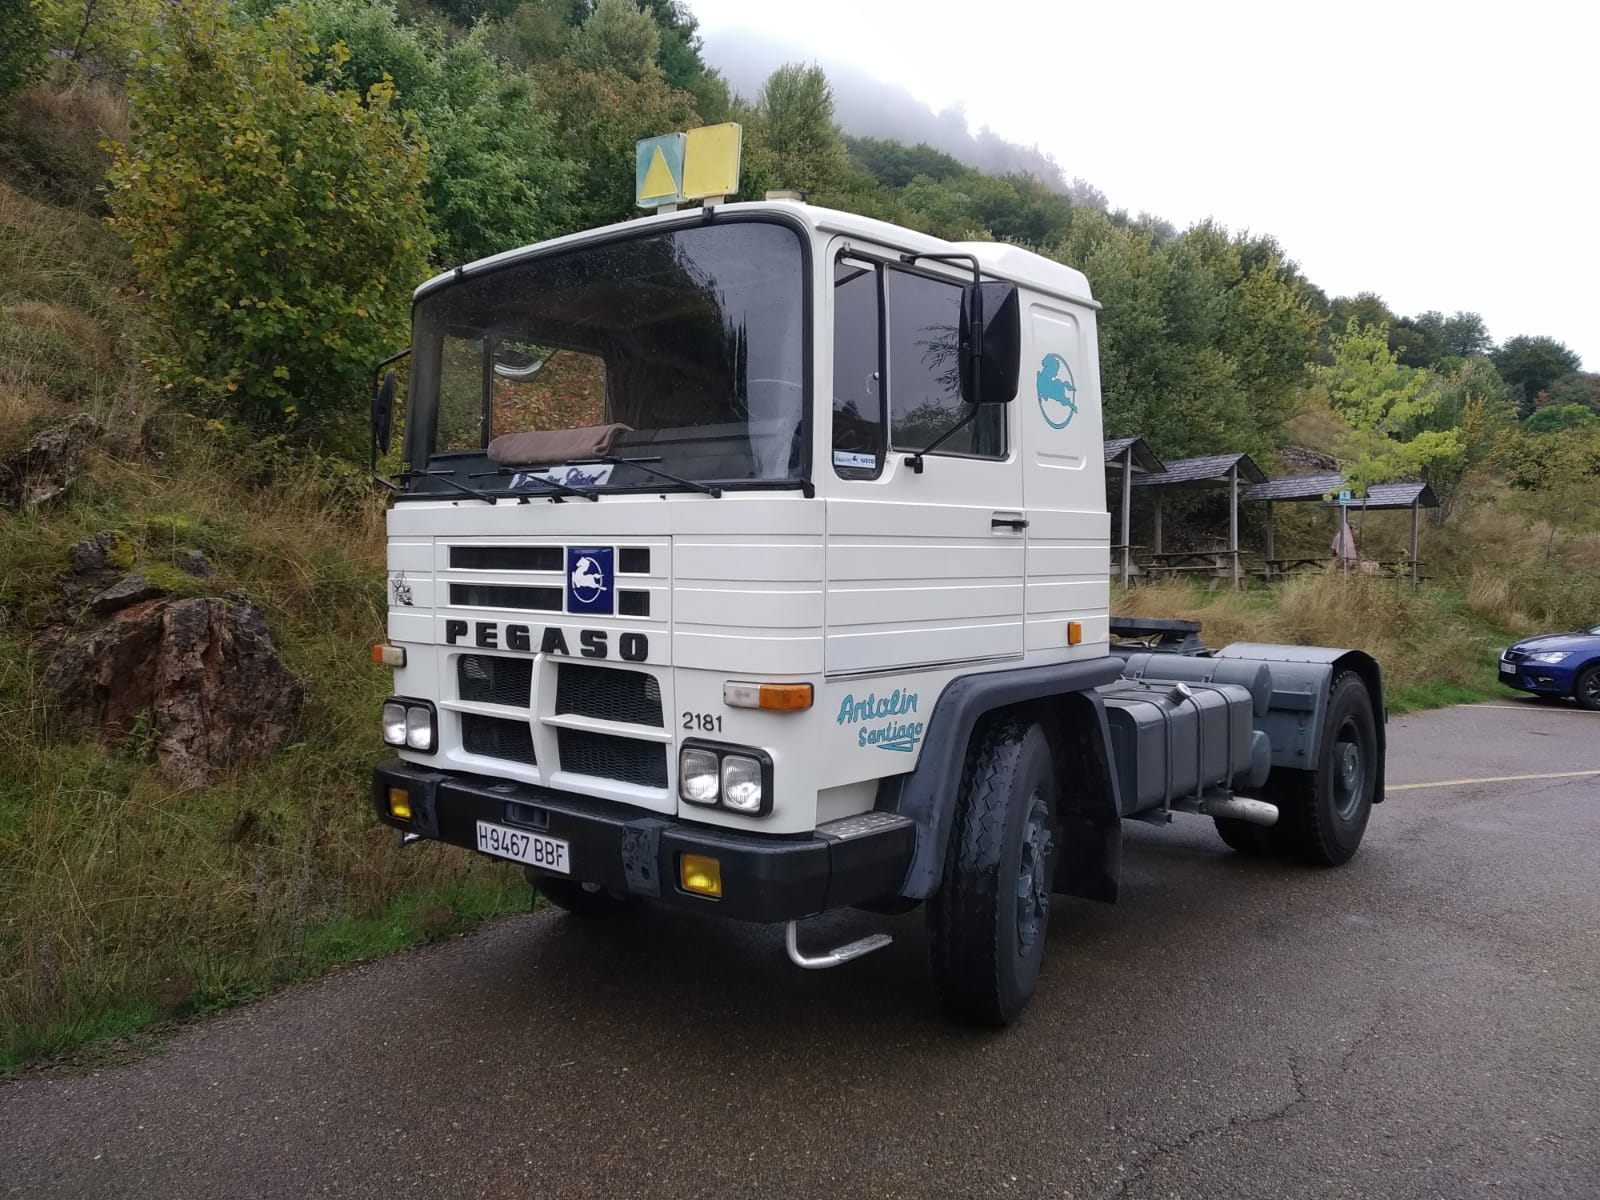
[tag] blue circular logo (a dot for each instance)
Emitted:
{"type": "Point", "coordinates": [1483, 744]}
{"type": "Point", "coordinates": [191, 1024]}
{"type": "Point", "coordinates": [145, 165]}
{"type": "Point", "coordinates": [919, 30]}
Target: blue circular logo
{"type": "Point", "coordinates": [1058, 394]}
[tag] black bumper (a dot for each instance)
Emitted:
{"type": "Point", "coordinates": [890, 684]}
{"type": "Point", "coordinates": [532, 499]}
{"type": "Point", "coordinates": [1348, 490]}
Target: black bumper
{"type": "Point", "coordinates": [765, 877]}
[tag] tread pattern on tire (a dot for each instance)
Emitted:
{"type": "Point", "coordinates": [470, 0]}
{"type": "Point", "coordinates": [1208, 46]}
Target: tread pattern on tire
{"type": "Point", "coordinates": [964, 917]}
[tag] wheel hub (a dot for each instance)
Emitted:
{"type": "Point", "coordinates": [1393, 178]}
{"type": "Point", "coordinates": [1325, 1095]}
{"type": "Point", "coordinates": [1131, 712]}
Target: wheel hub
{"type": "Point", "coordinates": [1347, 773]}
{"type": "Point", "coordinates": [1033, 874]}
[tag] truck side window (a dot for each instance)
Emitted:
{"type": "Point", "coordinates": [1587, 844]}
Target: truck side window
{"type": "Point", "coordinates": [924, 375]}
{"type": "Point", "coordinates": [857, 371]}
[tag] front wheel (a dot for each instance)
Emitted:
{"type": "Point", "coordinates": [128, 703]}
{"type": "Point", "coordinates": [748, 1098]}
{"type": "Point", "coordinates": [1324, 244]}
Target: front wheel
{"type": "Point", "coordinates": [1587, 689]}
{"type": "Point", "coordinates": [988, 921]}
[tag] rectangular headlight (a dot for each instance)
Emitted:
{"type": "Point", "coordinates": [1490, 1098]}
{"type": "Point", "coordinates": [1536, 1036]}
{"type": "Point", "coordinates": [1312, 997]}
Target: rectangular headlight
{"type": "Point", "coordinates": [419, 727]}
{"type": "Point", "coordinates": [698, 781]}
{"type": "Point", "coordinates": [394, 723]}
{"type": "Point", "coordinates": [1551, 656]}
{"type": "Point", "coordinates": [741, 783]}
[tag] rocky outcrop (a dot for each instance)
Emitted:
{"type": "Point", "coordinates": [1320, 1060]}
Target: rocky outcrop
{"type": "Point", "coordinates": [200, 674]}
{"type": "Point", "coordinates": [1301, 460]}
{"type": "Point", "coordinates": [46, 466]}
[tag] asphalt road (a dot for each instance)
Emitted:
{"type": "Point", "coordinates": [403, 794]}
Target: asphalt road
{"type": "Point", "coordinates": [1422, 1023]}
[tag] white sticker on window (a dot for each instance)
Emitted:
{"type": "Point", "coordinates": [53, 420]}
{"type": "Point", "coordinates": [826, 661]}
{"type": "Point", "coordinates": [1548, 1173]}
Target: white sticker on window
{"type": "Point", "coordinates": [848, 458]}
{"type": "Point", "coordinates": [595, 475]}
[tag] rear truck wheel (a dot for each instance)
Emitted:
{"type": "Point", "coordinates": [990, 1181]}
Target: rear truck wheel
{"type": "Point", "coordinates": [1587, 689]}
{"type": "Point", "coordinates": [584, 899]}
{"type": "Point", "coordinates": [1322, 814]}
{"type": "Point", "coordinates": [987, 922]}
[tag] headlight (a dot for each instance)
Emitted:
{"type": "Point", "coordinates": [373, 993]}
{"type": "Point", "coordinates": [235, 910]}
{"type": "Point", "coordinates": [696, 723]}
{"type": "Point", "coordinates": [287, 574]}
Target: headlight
{"type": "Point", "coordinates": [697, 776]}
{"type": "Point", "coordinates": [419, 727]}
{"type": "Point", "coordinates": [394, 723]}
{"type": "Point", "coordinates": [741, 783]}
{"type": "Point", "coordinates": [737, 778]}
{"type": "Point", "coordinates": [1551, 656]}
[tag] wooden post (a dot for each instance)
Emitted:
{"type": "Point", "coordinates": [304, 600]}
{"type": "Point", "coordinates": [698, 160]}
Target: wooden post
{"type": "Point", "coordinates": [1127, 519]}
{"type": "Point", "coordinates": [1158, 521]}
{"type": "Point", "coordinates": [1233, 520]}
{"type": "Point", "coordinates": [1271, 551]}
{"type": "Point", "coordinates": [1415, 512]}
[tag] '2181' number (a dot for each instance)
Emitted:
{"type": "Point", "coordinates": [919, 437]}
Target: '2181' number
{"type": "Point", "coordinates": [703, 722]}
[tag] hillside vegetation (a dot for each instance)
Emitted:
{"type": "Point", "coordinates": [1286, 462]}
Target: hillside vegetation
{"type": "Point", "coordinates": [211, 217]}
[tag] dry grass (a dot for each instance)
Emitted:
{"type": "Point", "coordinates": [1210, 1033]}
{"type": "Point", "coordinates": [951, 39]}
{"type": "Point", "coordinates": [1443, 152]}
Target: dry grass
{"type": "Point", "coordinates": [54, 142]}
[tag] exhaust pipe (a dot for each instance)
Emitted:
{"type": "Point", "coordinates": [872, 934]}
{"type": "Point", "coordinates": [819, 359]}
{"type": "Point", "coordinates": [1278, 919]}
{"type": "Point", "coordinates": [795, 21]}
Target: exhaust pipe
{"type": "Point", "coordinates": [1237, 808]}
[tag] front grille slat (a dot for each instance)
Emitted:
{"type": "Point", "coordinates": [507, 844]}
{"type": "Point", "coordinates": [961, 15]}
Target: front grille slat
{"type": "Point", "coordinates": [492, 595]}
{"type": "Point", "coordinates": [607, 757]}
{"type": "Point", "coordinates": [507, 558]}
{"type": "Point", "coordinates": [609, 694]}
{"type": "Point", "coordinates": [497, 737]}
{"type": "Point", "coordinates": [495, 679]}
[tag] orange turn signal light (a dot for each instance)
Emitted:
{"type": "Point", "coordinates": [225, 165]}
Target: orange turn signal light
{"type": "Point", "coordinates": [774, 697]}
{"type": "Point", "coordinates": [1074, 632]}
{"type": "Point", "coordinates": [389, 656]}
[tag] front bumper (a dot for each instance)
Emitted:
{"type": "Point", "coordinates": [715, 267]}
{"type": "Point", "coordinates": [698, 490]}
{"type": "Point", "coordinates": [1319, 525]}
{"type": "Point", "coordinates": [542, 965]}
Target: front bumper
{"type": "Point", "coordinates": [764, 877]}
{"type": "Point", "coordinates": [1549, 679]}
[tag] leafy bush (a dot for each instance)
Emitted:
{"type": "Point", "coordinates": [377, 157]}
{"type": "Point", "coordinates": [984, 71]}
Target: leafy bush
{"type": "Point", "coordinates": [22, 48]}
{"type": "Point", "coordinates": [277, 222]}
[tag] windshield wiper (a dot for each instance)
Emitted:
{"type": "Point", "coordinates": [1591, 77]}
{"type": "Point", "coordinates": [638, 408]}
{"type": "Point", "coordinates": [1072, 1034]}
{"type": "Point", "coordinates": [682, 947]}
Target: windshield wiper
{"type": "Point", "coordinates": [644, 465]}
{"type": "Point", "coordinates": [565, 488]}
{"type": "Point", "coordinates": [444, 477]}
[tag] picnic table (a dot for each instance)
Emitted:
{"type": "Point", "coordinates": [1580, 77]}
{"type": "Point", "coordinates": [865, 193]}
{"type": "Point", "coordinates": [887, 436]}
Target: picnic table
{"type": "Point", "coordinates": [1191, 562]}
{"type": "Point", "coordinates": [1282, 568]}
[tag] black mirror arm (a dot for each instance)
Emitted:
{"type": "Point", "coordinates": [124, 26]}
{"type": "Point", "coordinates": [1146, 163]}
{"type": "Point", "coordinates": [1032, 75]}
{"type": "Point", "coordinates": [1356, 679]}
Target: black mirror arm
{"type": "Point", "coordinates": [914, 461]}
{"type": "Point", "coordinates": [372, 438]}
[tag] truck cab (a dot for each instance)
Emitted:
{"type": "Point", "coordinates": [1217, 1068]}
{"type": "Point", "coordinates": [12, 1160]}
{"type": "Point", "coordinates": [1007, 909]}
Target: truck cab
{"type": "Point", "coordinates": [744, 557]}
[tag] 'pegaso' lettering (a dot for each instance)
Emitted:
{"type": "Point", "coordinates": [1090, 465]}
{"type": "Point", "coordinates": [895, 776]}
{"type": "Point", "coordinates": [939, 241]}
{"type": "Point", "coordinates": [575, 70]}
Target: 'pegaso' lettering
{"type": "Point", "coordinates": [592, 643]}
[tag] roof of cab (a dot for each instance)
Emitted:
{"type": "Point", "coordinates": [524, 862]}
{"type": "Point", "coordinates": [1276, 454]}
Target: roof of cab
{"type": "Point", "coordinates": [998, 259]}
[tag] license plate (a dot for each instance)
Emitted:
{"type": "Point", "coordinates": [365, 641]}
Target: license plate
{"type": "Point", "coordinates": [546, 853]}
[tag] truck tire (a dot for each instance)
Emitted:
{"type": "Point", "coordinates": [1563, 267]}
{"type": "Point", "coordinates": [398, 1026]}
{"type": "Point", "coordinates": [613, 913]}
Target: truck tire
{"type": "Point", "coordinates": [1323, 814]}
{"type": "Point", "coordinates": [1243, 837]}
{"type": "Point", "coordinates": [583, 899]}
{"type": "Point", "coordinates": [1587, 689]}
{"type": "Point", "coordinates": [987, 922]}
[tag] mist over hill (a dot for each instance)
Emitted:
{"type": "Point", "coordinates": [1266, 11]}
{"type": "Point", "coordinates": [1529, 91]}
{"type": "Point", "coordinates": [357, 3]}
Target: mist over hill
{"type": "Point", "coordinates": [868, 107]}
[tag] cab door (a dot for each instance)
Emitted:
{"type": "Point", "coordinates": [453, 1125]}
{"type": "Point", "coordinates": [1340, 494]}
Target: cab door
{"type": "Point", "coordinates": [923, 568]}
{"type": "Point", "coordinates": [1063, 473]}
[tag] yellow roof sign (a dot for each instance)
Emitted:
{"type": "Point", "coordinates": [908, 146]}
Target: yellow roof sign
{"type": "Point", "coordinates": [695, 166]}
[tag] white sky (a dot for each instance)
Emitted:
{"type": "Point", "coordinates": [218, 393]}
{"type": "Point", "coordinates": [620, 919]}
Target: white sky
{"type": "Point", "coordinates": [1442, 155]}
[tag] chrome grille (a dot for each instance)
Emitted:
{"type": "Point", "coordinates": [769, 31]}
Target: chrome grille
{"type": "Point", "coordinates": [609, 694]}
{"type": "Point", "coordinates": [606, 757]}
{"type": "Point", "coordinates": [495, 679]}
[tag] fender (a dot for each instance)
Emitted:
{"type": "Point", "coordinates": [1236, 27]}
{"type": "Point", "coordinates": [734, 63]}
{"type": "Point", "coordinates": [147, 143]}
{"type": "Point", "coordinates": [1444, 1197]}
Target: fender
{"type": "Point", "coordinates": [1301, 679]}
{"type": "Point", "coordinates": [928, 793]}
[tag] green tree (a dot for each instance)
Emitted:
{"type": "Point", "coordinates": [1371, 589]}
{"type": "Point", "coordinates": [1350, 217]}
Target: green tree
{"type": "Point", "coordinates": [22, 47]}
{"type": "Point", "coordinates": [1555, 418]}
{"type": "Point", "coordinates": [794, 141]}
{"type": "Point", "coordinates": [1532, 364]}
{"type": "Point", "coordinates": [1388, 407]}
{"type": "Point", "coordinates": [1474, 402]}
{"type": "Point", "coordinates": [618, 35]}
{"type": "Point", "coordinates": [276, 222]}
{"type": "Point", "coordinates": [1580, 387]}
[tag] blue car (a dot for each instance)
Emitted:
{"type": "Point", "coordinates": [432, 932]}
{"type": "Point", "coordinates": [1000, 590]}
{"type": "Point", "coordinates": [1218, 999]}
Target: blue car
{"type": "Point", "coordinates": [1556, 665]}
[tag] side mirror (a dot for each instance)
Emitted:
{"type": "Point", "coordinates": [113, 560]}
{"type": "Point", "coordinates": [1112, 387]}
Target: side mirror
{"type": "Point", "coordinates": [991, 342]}
{"type": "Point", "coordinates": [383, 414]}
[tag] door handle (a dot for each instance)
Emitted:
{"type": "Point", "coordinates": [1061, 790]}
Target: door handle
{"type": "Point", "coordinates": [1001, 521]}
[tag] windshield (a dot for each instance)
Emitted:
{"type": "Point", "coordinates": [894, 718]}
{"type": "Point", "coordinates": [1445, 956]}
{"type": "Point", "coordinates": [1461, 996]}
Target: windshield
{"type": "Point", "coordinates": [681, 350]}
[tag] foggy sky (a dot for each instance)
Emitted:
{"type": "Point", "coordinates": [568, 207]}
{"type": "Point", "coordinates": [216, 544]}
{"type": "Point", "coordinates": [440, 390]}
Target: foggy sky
{"type": "Point", "coordinates": [1442, 156]}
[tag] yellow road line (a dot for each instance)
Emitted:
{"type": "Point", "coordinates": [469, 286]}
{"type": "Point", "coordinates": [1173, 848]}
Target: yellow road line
{"type": "Point", "coordinates": [1410, 787]}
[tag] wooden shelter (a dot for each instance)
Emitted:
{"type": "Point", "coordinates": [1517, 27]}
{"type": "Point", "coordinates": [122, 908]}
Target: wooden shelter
{"type": "Point", "coordinates": [1130, 456]}
{"type": "Point", "coordinates": [1320, 487]}
{"type": "Point", "coordinates": [1214, 470]}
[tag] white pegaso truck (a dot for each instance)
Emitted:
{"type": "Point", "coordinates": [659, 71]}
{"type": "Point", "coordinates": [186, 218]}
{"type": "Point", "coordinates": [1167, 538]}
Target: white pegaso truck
{"type": "Point", "coordinates": [754, 559]}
